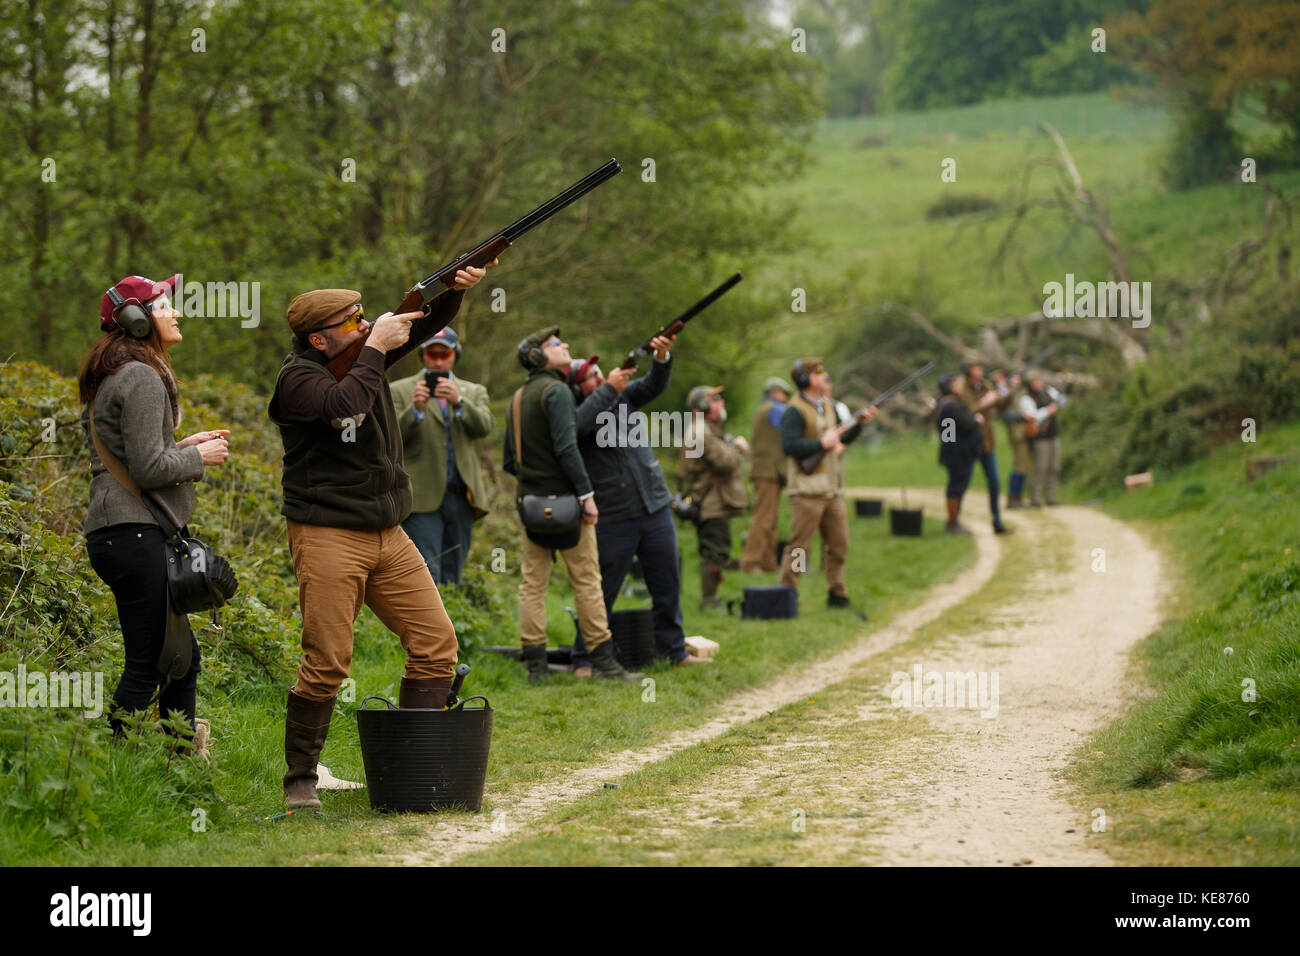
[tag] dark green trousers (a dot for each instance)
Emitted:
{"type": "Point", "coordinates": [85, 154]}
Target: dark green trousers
{"type": "Point", "coordinates": [715, 540]}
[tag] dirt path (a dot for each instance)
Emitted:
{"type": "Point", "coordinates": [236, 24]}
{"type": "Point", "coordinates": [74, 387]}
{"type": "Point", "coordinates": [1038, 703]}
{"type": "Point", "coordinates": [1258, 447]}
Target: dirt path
{"type": "Point", "coordinates": [447, 840]}
{"type": "Point", "coordinates": [964, 789]}
{"type": "Point", "coordinates": [988, 791]}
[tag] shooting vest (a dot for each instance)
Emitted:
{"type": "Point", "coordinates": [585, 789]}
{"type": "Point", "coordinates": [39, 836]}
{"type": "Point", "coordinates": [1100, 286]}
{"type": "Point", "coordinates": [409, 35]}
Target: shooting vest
{"type": "Point", "coordinates": [828, 479]}
{"type": "Point", "coordinates": [1042, 400]}
{"type": "Point", "coordinates": [767, 464]}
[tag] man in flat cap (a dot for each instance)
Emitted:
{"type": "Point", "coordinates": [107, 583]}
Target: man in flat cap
{"type": "Point", "coordinates": [715, 481]}
{"type": "Point", "coordinates": [811, 424]}
{"type": "Point", "coordinates": [345, 496]}
{"type": "Point", "coordinates": [541, 451]}
{"type": "Point", "coordinates": [767, 472]}
{"type": "Point", "coordinates": [441, 416]}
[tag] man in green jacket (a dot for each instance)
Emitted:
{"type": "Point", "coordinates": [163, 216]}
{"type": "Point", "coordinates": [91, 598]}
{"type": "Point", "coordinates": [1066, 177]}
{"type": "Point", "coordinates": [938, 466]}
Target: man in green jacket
{"type": "Point", "coordinates": [440, 417]}
{"type": "Point", "coordinates": [546, 461]}
{"type": "Point", "coordinates": [767, 472]}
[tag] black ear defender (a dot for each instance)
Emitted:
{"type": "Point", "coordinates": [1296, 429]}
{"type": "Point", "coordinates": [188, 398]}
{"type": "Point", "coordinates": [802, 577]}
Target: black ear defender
{"type": "Point", "coordinates": [801, 378]}
{"type": "Point", "coordinates": [131, 317]}
{"type": "Point", "coordinates": [530, 356]}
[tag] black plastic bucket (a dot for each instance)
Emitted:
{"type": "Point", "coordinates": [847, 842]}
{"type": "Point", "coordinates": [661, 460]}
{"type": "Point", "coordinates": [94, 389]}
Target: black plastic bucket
{"type": "Point", "coordinates": [869, 507]}
{"type": "Point", "coordinates": [905, 521]}
{"type": "Point", "coordinates": [418, 760]}
{"type": "Point", "coordinates": [634, 637]}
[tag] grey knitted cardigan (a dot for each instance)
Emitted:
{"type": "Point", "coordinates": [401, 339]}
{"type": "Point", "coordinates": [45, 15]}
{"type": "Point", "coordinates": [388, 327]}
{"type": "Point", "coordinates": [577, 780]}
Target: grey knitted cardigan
{"type": "Point", "coordinates": [133, 416]}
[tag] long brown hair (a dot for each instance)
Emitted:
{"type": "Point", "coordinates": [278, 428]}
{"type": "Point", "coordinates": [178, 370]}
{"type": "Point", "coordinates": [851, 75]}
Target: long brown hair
{"type": "Point", "coordinates": [116, 349]}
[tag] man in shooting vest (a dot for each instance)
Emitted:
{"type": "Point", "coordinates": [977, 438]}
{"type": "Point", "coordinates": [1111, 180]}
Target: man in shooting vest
{"type": "Point", "coordinates": [441, 416]}
{"type": "Point", "coordinates": [810, 425]}
{"type": "Point", "coordinates": [545, 459]}
{"type": "Point", "coordinates": [1041, 403]}
{"type": "Point", "coordinates": [712, 468]}
{"type": "Point", "coordinates": [983, 398]}
{"type": "Point", "coordinates": [767, 472]}
{"type": "Point", "coordinates": [345, 496]}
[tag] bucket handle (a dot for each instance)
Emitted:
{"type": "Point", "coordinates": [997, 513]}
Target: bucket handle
{"type": "Point", "coordinates": [461, 704]}
{"type": "Point", "coordinates": [391, 705]}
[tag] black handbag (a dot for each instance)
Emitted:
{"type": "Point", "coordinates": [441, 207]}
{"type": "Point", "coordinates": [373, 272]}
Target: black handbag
{"type": "Point", "coordinates": [198, 579]}
{"type": "Point", "coordinates": [545, 515]}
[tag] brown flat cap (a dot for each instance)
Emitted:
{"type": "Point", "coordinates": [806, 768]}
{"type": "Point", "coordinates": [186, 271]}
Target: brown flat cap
{"type": "Point", "coordinates": [309, 311]}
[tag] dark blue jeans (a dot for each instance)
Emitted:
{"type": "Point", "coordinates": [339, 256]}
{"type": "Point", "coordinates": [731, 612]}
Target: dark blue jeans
{"type": "Point", "coordinates": [989, 462]}
{"type": "Point", "coordinates": [444, 532]}
{"type": "Point", "coordinates": [652, 538]}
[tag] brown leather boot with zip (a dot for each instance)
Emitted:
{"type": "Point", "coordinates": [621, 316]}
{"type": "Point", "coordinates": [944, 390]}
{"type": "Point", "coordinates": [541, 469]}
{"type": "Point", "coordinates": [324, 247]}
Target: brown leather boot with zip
{"type": "Point", "coordinates": [306, 725]}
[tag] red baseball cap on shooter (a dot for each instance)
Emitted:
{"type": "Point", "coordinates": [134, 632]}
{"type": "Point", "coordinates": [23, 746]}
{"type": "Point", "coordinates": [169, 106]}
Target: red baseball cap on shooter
{"type": "Point", "coordinates": [133, 289]}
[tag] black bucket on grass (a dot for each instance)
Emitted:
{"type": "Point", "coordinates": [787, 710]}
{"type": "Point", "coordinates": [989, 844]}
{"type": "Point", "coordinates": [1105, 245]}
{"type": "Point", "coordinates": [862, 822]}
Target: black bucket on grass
{"type": "Point", "coordinates": [634, 637]}
{"type": "Point", "coordinates": [420, 760]}
{"type": "Point", "coordinates": [869, 507]}
{"type": "Point", "coordinates": [905, 521]}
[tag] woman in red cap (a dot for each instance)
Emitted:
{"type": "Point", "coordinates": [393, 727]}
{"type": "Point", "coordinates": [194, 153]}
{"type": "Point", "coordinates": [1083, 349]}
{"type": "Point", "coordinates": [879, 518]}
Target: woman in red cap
{"type": "Point", "coordinates": [138, 470]}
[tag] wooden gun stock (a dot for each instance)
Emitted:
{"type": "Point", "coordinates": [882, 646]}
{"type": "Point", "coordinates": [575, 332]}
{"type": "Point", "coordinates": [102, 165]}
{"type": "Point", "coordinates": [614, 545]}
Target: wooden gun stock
{"type": "Point", "coordinates": [421, 295]}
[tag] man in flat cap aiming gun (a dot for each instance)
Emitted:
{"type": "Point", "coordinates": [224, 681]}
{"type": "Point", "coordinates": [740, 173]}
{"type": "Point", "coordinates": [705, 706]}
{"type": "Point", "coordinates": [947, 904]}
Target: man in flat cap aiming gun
{"type": "Point", "coordinates": [345, 496]}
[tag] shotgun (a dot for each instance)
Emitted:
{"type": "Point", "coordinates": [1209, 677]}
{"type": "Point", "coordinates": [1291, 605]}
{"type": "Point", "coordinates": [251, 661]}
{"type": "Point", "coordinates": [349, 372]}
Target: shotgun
{"type": "Point", "coordinates": [421, 295]}
{"type": "Point", "coordinates": [1045, 353]}
{"type": "Point", "coordinates": [809, 465]}
{"type": "Point", "coordinates": [675, 326]}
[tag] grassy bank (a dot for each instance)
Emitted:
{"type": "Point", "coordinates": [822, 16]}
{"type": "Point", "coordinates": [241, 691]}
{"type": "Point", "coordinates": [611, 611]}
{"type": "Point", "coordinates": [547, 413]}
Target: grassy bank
{"type": "Point", "coordinates": [1207, 770]}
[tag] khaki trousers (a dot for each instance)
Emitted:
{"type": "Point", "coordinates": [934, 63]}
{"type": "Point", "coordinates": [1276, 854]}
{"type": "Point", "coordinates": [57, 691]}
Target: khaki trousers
{"type": "Point", "coordinates": [808, 516]}
{"type": "Point", "coordinates": [1047, 470]}
{"type": "Point", "coordinates": [583, 564]}
{"type": "Point", "coordinates": [1023, 458]}
{"type": "Point", "coordinates": [760, 546]}
{"type": "Point", "coordinates": [338, 571]}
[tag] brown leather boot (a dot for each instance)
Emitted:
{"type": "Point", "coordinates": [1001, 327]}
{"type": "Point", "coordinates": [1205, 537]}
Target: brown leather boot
{"type": "Point", "coordinates": [424, 693]}
{"type": "Point", "coordinates": [306, 724]}
{"type": "Point", "coordinates": [954, 508]}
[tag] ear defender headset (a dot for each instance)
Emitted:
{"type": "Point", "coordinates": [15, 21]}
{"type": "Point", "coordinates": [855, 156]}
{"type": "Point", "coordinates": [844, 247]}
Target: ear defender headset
{"type": "Point", "coordinates": [801, 378]}
{"type": "Point", "coordinates": [130, 316]}
{"type": "Point", "coordinates": [530, 356]}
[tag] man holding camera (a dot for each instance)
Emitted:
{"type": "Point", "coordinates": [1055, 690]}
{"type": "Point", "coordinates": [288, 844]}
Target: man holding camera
{"type": "Point", "coordinates": [440, 417]}
{"type": "Point", "coordinates": [345, 495]}
{"type": "Point", "coordinates": [541, 451]}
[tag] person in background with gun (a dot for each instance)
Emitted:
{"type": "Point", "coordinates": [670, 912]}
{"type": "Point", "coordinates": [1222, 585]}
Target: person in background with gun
{"type": "Point", "coordinates": [1022, 461]}
{"type": "Point", "coordinates": [548, 463]}
{"type": "Point", "coordinates": [441, 416]}
{"type": "Point", "coordinates": [987, 402]}
{"type": "Point", "coordinates": [960, 444]}
{"type": "Point", "coordinates": [767, 472]}
{"type": "Point", "coordinates": [345, 496]}
{"type": "Point", "coordinates": [1040, 406]}
{"type": "Point", "coordinates": [810, 424]}
{"type": "Point", "coordinates": [715, 482]}
{"type": "Point", "coordinates": [636, 519]}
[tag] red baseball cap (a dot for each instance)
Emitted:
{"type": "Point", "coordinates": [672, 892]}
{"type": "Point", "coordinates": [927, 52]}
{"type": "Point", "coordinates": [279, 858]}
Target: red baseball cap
{"type": "Point", "coordinates": [133, 289]}
{"type": "Point", "coordinates": [579, 368]}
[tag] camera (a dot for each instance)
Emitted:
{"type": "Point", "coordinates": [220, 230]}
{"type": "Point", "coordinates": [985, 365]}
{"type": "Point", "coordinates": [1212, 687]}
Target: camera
{"type": "Point", "coordinates": [431, 377]}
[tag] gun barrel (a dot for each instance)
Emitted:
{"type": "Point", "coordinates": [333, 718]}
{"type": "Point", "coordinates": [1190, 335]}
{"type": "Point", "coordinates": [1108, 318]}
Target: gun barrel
{"type": "Point", "coordinates": [546, 210]}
